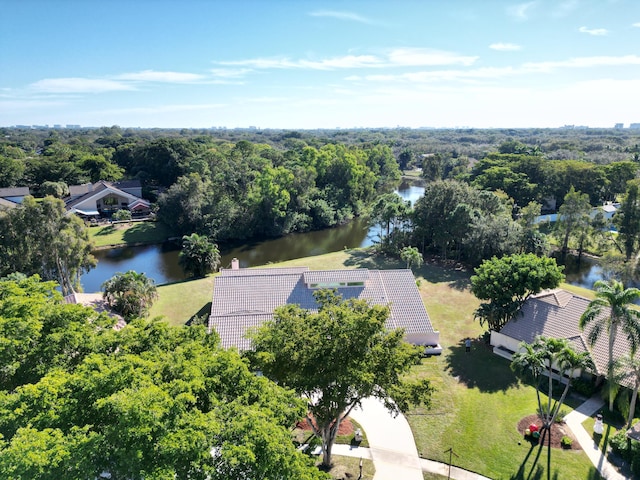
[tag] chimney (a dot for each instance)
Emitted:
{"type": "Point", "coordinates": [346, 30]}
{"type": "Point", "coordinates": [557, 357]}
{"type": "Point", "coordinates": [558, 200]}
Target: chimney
{"type": "Point", "coordinates": [235, 264]}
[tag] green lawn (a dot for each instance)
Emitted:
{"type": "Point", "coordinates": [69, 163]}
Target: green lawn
{"type": "Point", "coordinates": [179, 302]}
{"type": "Point", "coordinates": [348, 468]}
{"type": "Point", "coordinates": [129, 233]}
{"type": "Point", "coordinates": [478, 402]}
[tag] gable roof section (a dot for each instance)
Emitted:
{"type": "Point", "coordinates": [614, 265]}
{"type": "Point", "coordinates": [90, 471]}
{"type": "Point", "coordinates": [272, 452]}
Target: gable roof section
{"type": "Point", "coordinates": [246, 298]}
{"type": "Point", "coordinates": [4, 203]}
{"type": "Point", "coordinates": [99, 190]}
{"type": "Point", "coordinates": [556, 313]}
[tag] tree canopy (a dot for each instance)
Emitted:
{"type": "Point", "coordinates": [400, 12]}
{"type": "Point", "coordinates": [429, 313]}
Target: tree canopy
{"type": "Point", "coordinates": [78, 399]}
{"type": "Point", "coordinates": [335, 357]}
{"type": "Point", "coordinates": [507, 282]}
{"type": "Point", "coordinates": [130, 294]}
{"type": "Point", "coordinates": [39, 237]}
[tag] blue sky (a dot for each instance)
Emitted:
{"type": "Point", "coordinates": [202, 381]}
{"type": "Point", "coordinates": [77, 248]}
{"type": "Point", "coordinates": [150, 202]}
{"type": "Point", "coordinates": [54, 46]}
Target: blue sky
{"type": "Point", "coordinates": [305, 64]}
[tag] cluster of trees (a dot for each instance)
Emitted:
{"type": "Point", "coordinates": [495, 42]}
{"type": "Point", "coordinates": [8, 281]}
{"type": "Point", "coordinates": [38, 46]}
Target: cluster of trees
{"type": "Point", "coordinates": [246, 190]}
{"type": "Point", "coordinates": [78, 399]}
{"type": "Point", "coordinates": [40, 238]}
{"type": "Point", "coordinates": [533, 178]}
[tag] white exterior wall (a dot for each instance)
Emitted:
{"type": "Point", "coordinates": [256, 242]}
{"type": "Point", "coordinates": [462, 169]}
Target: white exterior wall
{"type": "Point", "coordinates": [427, 338]}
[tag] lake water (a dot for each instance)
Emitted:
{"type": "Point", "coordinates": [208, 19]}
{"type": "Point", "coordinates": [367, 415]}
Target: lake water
{"type": "Point", "coordinates": [160, 262]}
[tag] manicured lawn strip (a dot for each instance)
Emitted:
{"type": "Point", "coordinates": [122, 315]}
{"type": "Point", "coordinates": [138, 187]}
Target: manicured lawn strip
{"type": "Point", "coordinates": [129, 233]}
{"type": "Point", "coordinates": [178, 302]}
{"type": "Point", "coordinates": [432, 476]}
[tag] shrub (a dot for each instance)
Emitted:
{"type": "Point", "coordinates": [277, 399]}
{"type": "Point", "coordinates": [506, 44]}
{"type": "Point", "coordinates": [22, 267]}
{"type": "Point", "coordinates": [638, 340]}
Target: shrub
{"type": "Point", "coordinates": [583, 387]}
{"type": "Point", "coordinates": [620, 446]}
{"type": "Point", "coordinates": [566, 442]}
{"type": "Point", "coordinates": [561, 414]}
{"type": "Point", "coordinates": [121, 215]}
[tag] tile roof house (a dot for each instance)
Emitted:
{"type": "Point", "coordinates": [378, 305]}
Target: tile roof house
{"type": "Point", "coordinates": [556, 313]}
{"type": "Point", "coordinates": [244, 298]}
{"type": "Point", "coordinates": [104, 198]}
{"type": "Point", "coordinates": [13, 196]}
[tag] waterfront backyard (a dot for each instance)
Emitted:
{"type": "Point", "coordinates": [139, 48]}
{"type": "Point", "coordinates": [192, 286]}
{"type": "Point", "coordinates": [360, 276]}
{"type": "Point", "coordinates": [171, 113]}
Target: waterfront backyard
{"type": "Point", "coordinates": [478, 401]}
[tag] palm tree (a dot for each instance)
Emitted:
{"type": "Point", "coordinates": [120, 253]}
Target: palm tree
{"type": "Point", "coordinates": [529, 361]}
{"type": "Point", "coordinates": [629, 366]}
{"type": "Point", "coordinates": [130, 294]}
{"type": "Point", "coordinates": [568, 361]}
{"type": "Point", "coordinates": [199, 256]}
{"type": "Point", "coordinates": [614, 297]}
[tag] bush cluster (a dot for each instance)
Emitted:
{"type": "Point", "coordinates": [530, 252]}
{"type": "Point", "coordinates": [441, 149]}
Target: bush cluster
{"type": "Point", "coordinates": [628, 450]}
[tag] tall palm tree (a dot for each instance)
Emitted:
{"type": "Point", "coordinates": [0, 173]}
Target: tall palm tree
{"type": "Point", "coordinates": [529, 361]}
{"type": "Point", "coordinates": [614, 297]}
{"type": "Point", "coordinates": [629, 366]}
{"type": "Point", "coordinates": [568, 361]}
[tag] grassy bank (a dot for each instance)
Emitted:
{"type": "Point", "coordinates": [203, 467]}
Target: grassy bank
{"type": "Point", "coordinates": [129, 234]}
{"type": "Point", "coordinates": [478, 402]}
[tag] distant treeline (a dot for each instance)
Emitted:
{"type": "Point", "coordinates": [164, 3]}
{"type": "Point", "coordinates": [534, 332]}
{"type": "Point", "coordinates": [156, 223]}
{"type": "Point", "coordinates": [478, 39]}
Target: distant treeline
{"type": "Point", "coordinates": [240, 184]}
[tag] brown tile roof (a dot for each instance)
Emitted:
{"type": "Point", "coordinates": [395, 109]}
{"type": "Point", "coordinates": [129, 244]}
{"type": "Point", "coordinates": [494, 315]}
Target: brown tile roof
{"type": "Point", "coordinates": [556, 313]}
{"type": "Point", "coordinates": [245, 298]}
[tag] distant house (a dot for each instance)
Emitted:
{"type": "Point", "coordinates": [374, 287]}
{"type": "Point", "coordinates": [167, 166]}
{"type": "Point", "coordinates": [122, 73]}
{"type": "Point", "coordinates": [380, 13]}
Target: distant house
{"type": "Point", "coordinates": [244, 298]}
{"type": "Point", "coordinates": [12, 197]}
{"type": "Point", "coordinates": [104, 198]}
{"type": "Point", "coordinates": [556, 313]}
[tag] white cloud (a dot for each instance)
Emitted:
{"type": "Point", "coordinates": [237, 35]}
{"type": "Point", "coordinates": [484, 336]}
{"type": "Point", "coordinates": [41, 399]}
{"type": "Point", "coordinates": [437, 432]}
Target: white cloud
{"type": "Point", "coordinates": [505, 47]}
{"type": "Point", "coordinates": [162, 77]}
{"type": "Point", "coordinates": [401, 57]}
{"type": "Point", "coordinates": [584, 62]}
{"type": "Point", "coordinates": [79, 85]}
{"type": "Point", "coordinates": [637, 24]}
{"type": "Point", "coordinates": [521, 10]}
{"type": "Point", "coordinates": [230, 72]}
{"type": "Point", "coordinates": [348, 16]}
{"type": "Point", "coordinates": [349, 61]}
{"type": "Point", "coordinates": [594, 31]}
{"type": "Point", "coordinates": [416, 57]}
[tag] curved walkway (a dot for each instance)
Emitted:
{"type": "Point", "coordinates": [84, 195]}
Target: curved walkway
{"type": "Point", "coordinates": [598, 458]}
{"type": "Point", "coordinates": [392, 447]}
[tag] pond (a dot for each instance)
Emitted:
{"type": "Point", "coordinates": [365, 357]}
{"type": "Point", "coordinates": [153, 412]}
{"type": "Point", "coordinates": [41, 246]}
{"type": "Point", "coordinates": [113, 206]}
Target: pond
{"type": "Point", "coordinates": [160, 262]}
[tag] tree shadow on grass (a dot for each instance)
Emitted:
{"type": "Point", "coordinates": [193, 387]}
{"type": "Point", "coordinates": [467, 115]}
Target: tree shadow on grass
{"type": "Point", "coordinates": [366, 258]}
{"type": "Point", "coordinates": [433, 270]}
{"type": "Point", "coordinates": [480, 368]}
{"type": "Point", "coordinates": [201, 317]}
{"type": "Point", "coordinates": [106, 231]}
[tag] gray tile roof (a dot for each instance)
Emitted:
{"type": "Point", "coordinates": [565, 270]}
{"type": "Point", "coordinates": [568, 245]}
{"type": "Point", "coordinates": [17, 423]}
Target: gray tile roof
{"type": "Point", "coordinates": [245, 298]}
{"type": "Point", "coordinates": [14, 192]}
{"type": "Point", "coordinates": [556, 313]}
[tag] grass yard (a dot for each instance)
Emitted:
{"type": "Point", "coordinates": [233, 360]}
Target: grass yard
{"type": "Point", "coordinates": [348, 468]}
{"type": "Point", "coordinates": [178, 302]}
{"type": "Point", "coordinates": [129, 233]}
{"type": "Point", "coordinates": [478, 402]}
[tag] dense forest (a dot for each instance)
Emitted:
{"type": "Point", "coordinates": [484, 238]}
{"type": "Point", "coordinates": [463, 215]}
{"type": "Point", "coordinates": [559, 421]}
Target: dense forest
{"type": "Point", "coordinates": [483, 186]}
